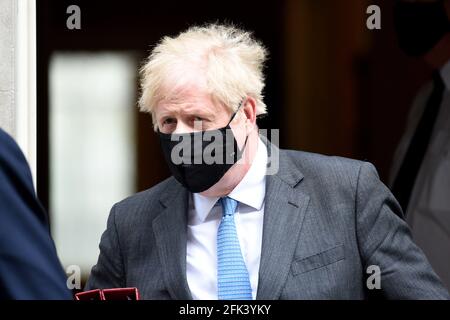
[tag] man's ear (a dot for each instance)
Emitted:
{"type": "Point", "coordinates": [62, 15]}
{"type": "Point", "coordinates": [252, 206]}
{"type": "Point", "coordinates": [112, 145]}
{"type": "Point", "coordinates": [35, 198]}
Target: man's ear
{"type": "Point", "coordinates": [250, 111]}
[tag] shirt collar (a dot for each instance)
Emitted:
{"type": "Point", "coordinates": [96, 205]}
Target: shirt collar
{"type": "Point", "coordinates": [250, 191]}
{"type": "Point", "coordinates": [445, 74]}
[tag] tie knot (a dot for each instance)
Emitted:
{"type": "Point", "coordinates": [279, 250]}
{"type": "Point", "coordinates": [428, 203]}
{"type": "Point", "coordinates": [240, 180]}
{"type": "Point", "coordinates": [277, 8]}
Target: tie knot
{"type": "Point", "coordinates": [228, 205]}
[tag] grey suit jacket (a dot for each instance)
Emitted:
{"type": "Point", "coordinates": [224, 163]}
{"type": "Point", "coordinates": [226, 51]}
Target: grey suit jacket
{"type": "Point", "coordinates": [326, 220]}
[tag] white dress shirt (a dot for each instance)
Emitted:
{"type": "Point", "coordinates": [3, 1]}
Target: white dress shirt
{"type": "Point", "coordinates": [205, 214]}
{"type": "Point", "coordinates": [429, 206]}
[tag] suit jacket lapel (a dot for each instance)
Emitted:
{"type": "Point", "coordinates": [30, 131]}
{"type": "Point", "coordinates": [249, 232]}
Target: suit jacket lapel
{"type": "Point", "coordinates": [170, 230]}
{"type": "Point", "coordinates": [284, 212]}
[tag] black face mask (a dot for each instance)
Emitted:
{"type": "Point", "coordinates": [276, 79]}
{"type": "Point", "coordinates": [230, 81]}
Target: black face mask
{"type": "Point", "coordinates": [198, 160]}
{"type": "Point", "coordinates": [419, 25]}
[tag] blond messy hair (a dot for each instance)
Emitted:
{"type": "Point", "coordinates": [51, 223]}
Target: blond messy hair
{"type": "Point", "coordinates": [225, 61]}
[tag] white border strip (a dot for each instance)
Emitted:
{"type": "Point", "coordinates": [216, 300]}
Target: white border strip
{"type": "Point", "coordinates": [25, 76]}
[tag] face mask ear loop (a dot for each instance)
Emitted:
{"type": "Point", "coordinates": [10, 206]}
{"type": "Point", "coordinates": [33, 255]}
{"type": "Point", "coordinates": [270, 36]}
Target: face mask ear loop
{"type": "Point", "coordinates": [245, 143]}
{"type": "Point", "coordinates": [246, 137]}
{"type": "Point", "coordinates": [234, 114]}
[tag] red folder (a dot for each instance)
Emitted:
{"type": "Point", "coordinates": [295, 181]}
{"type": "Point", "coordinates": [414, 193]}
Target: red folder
{"type": "Point", "coordinates": [109, 294]}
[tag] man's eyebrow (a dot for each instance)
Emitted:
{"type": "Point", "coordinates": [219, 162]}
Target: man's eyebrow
{"type": "Point", "coordinates": [165, 115]}
{"type": "Point", "coordinates": [199, 111]}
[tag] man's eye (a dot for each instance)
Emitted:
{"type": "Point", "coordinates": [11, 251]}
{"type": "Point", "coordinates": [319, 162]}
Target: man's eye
{"type": "Point", "coordinates": [169, 121]}
{"type": "Point", "coordinates": [198, 118]}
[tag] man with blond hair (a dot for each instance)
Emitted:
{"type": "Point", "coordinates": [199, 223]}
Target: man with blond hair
{"type": "Point", "coordinates": [241, 219]}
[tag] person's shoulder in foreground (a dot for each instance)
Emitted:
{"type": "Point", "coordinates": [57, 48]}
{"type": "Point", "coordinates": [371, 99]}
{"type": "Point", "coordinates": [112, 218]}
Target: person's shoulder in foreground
{"type": "Point", "coordinates": [29, 266]}
{"type": "Point", "coordinates": [343, 235]}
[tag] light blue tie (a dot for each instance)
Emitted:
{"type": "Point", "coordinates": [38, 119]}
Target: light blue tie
{"type": "Point", "coordinates": [233, 282]}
